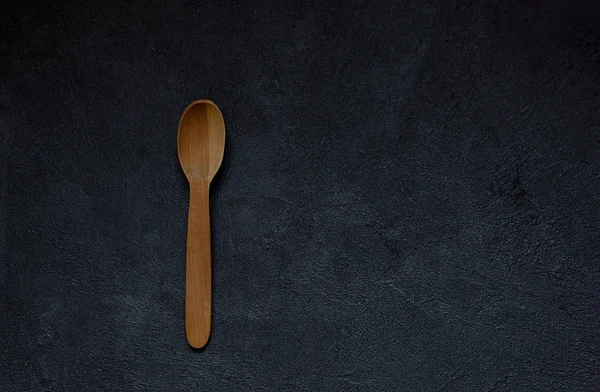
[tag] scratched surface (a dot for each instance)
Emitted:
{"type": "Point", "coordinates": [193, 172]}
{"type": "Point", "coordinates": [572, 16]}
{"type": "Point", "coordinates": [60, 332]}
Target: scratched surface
{"type": "Point", "coordinates": [409, 199]}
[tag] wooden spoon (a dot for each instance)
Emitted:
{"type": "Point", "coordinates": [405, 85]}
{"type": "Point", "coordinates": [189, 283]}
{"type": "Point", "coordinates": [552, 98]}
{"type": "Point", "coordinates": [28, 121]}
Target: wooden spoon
{"type": "Point", "coordinates": [200, 144]}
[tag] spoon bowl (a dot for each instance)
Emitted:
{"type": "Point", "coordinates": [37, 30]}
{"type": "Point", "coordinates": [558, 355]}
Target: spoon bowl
{"type": "Point", "coordinates": [200, 144]}
{"type": "Point", "coordinates": [201, 140]}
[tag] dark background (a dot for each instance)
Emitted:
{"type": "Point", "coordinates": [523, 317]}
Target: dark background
{"type": "Point", "coordinates": [408, 200]}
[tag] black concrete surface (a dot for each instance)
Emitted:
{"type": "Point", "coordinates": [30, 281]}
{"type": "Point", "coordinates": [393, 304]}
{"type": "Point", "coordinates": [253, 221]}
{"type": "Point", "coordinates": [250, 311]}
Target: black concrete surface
{"type": "Point", "coordinates": [408, 200]}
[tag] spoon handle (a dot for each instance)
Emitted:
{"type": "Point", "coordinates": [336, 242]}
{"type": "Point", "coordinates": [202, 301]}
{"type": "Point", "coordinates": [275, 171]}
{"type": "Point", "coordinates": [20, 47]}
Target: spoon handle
{"type": "Point", "coordinates": [198, 275]}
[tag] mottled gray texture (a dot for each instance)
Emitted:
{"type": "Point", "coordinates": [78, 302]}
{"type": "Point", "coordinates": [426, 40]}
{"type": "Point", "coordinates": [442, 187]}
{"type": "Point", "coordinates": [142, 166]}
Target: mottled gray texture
{"type": "Point", "coordinates": [409, 199]}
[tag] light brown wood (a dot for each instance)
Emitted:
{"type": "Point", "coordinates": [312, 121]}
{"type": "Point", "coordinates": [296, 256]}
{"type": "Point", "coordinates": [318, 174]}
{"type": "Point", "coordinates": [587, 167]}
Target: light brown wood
{"type": "Point", "coordinates": [200, 144]}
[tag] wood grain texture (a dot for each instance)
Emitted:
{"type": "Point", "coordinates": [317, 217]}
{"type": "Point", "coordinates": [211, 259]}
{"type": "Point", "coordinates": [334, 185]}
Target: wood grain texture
{"type": "Point", "coordinates": [200, 144]}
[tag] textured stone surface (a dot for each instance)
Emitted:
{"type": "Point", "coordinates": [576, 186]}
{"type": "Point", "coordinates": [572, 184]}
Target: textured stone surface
{"type": "Point", "coordinates": [408, 200]}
